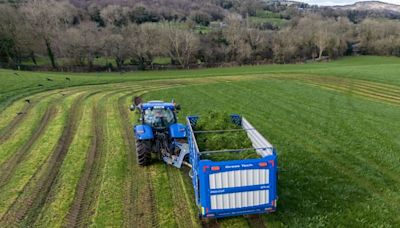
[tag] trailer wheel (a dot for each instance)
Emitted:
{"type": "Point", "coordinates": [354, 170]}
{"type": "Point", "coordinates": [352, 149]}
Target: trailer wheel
{"type": "Point", "coordinates": [143, 152]}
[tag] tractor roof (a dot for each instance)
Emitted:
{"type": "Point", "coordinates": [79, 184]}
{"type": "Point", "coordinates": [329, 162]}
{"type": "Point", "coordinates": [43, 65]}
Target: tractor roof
{"type": "Point", "coordinates": [158, 104]}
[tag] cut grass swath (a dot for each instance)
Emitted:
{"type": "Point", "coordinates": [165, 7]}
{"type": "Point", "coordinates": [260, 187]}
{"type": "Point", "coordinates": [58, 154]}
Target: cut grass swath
{"type": "Point", "coordinates": [63, 191]}
{"type": "Point", "coordinates": [11, 145]}
{"type": "Point", "coordinates": [29, 203]}
{"type": "Point", "coordinates": [111, 197]}
{"type": "Point", "coordinates": [26, 173]}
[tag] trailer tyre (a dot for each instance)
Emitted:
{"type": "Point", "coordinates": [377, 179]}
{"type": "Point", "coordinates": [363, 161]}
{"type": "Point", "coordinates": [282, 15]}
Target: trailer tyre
{"type": "Point", "coordinates": [143, 152]}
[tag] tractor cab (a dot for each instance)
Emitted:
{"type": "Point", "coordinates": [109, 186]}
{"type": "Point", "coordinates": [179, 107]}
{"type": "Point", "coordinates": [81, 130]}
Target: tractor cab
{"type": "Point", "coordinates": [157, 114]}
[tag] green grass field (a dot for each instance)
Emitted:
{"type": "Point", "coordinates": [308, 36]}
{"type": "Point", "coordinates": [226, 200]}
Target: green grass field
{"type": "Point", "coordinates": [68, 158]}
{"type": "Point", "coordinates": [265, 16]}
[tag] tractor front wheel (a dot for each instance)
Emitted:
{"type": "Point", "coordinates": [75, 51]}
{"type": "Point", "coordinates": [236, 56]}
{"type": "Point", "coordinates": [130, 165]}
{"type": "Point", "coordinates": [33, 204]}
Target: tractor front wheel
{"type": "Point", "coordinates": [143, 152]}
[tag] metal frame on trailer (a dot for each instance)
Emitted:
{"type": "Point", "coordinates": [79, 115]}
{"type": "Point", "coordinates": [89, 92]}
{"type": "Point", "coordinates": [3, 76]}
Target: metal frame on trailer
{"type": "Point", "coordinates": [236, 187]}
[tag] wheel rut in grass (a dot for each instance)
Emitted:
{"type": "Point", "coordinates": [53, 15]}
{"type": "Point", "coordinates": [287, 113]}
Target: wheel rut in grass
{"type": "Point", "coordinates": [26, 208]}
{"type": "Point", "coordinates": [81, 200]}
{"type": "Point", "coordinates": [83, 205]}
{"type": "Point", "coordinates": [87, 189]}
{"type": "Point", "coordinates": [255, 221]}
{"type": "Point", "coordinates": [140, 206]}
{"type": "Point", "coordinates": [182, 209]}
{"type": "Point", "coordinates": [8, 167]}
{"type": "Point", "coordinates": [212, 223]}
{"type": "Point", "coordinates": [12, 126]}
{"type": "Point", "coordinates": [8, 130]}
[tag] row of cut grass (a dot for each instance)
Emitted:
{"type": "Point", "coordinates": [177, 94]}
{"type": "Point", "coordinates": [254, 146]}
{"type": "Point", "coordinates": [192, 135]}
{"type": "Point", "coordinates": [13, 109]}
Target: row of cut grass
{"type": "Point", "coordinates": [23, 133]}
{"type": "Point", "coordinates": [36, 158]}
{"type": "Point", "coordinates": [110, 205]}
{"type": "Point", "coordinates": [63, 192]}
{"type": "Point", "coordinates": [163, 196]}
{"type": "Point", "coordinates": [73, 164]}
{"type": "Point", "coordinates": [29, 123]}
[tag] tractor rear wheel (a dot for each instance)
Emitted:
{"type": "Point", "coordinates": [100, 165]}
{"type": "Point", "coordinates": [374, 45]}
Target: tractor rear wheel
{"type": "Point", "coordinates": [143, 152]}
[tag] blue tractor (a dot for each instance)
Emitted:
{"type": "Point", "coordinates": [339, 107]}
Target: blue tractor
{"type": "Point", "coordinates": [159, 132]}
{"type": "Point", "coordinates": [221, 188]}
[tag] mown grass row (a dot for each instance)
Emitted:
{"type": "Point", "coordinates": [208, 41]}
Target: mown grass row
{"type": "Point", "coordinates": [15, 135]}
{"type": "Point", "coordinates": [8, 147]}
{"type": "Point", "coordinates": [111, 195]}
{"type": "Point", "coordinates": [110, 201]}
{"type": "Point", "coordinates": [38, 155]}
{"type": "Point", "coordinates": [64, 190]}
{"type": "Point", "coordinates": [33, 163]}
{"type": "Point", "coordinates": [60, 194]}
{"type": "Point", "coordinates": [74, 162]}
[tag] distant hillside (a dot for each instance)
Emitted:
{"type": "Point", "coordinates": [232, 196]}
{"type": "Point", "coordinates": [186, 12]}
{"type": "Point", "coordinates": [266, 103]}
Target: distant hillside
{"type": "Point", "coordinates": [371, 6]}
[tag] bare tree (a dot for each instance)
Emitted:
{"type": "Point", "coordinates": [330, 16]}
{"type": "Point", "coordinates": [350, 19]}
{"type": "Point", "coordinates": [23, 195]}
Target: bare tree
{"type": "Point", "coordinates": [116, 46]}
{"type": "Point", "coordinates": [47, 18]}
{"type": "Point", "coordinates": [379, 37]}
{"type": "Point", "coordinates": [115, 15]}
{"type": "Point", "coordinates": [322, 37]}
{"type": "Point", "coordinates": [257, 39]}
{"type": "Point", "coordinates": [316, 35]}
{"type": "Point", "coordinates": [284, 46]}
{"type": "Point", "coordinates": [143, 41]}
{"type": "Point", "coordinates": [14, 37]}
{"type": "Point", "coordinates": [81, 43]}
{"type": "Point", "coordinates": [179, 44]}
{"type": "Point", "coordinates": [238, 48]}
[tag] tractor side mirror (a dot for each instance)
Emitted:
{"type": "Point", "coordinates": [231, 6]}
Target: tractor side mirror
{"type": "Point", "coordinates": [132, 108]}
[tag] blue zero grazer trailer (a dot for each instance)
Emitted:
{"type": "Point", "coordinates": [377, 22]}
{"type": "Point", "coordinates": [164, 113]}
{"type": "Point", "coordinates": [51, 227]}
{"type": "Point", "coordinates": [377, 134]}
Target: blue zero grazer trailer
{"type": "Point", "coordinates": [222, 188]}
{"type": "Point", "coordinates": [236, 187]}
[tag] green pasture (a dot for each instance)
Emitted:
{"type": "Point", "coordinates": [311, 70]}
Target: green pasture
{"type": "Point", "coordinates": [336, 127]}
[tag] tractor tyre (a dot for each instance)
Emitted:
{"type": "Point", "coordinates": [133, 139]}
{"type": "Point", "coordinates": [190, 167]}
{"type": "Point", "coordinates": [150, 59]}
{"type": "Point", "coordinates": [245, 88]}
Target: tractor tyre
{"type": "Point", "coordinates": [143, 152]}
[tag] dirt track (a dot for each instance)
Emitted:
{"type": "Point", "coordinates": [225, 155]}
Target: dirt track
{"type": "Point", "coordinates": [140, 205]}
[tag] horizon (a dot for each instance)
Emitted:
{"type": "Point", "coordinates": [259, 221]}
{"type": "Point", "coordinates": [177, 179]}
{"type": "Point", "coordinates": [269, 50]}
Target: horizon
{"type": "Point", "coordinates": [344, 2]}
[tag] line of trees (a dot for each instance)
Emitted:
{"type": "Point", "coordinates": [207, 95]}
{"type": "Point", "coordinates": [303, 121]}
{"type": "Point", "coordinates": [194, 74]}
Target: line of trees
{"type": "Point", "coordinates": [131, 34]}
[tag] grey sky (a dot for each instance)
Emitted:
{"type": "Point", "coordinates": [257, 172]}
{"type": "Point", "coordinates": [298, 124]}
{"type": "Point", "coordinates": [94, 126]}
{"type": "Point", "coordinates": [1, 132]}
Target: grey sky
{"type": "Point", "coordinates": [342, 2]}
